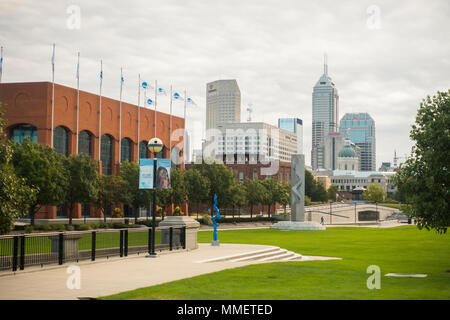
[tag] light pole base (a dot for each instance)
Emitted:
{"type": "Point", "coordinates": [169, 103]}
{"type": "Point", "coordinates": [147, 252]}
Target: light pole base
{"type": "Point", "coordinates": [150, 255]}
{"type": "Point", "coordinates": [215, 243]}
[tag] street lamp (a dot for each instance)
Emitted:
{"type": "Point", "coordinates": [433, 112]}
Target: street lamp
{"type": "Point", "coordinates": [155, 145]}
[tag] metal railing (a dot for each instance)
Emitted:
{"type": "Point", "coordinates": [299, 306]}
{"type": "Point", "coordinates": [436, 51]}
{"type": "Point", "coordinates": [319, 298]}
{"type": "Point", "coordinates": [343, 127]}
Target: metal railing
{"type": "Point", "coordinates": [20, 251]}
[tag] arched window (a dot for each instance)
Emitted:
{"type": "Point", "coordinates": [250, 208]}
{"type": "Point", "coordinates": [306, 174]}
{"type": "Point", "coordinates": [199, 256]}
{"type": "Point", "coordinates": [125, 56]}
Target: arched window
{"type": "Point", "coordinates": [20, 132]}
{"type": "Point", "coordinates": [106, 154]}
{"type": "Point", "coordinates": [85, 143]}
{"type": "Point", "coordinates": [162, 153]}
{"type": "Point", "coordinates": [143, 150]}
{"type": "Point", "coordinates": [61, 140]}
{"type": "Point", "coordinates": [125, 150]}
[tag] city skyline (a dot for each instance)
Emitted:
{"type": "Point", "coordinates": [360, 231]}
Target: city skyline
{"type": "Point", "coordinates": [385, 69]}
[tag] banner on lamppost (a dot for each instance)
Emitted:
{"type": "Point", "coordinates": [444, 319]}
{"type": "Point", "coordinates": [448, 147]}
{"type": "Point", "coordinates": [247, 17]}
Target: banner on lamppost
{"type": "Point", "coordinates": [146, 173]}
{"type": "Point", "coordinates": [163, 173]}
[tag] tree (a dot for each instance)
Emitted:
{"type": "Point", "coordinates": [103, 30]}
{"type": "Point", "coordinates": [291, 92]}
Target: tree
{"type": "Point", "coordinates": [254, 193]}
{"type": "Point", "coordinates": [178, 187]}
{"type": "Point", "coordinates": [270, 196]}
{"type": "Point", "coordinates": [331, 192]}
{"type": "Point", "coordinates": [15, 195]}
{"type": "Point", "coordinates": [374, 193]}
{"type": "Point", "coordinates": [82, 186]}
{"type": "Point", "coordinates": [133, 196]}
{"type": "Point", "coordinates": [197, 187]}
{"type": "Point", "coordinates": [239, 196]}
{"type": "Point", "coordinates": [283, 194]}
{"type": "Point", "coordinates": [313, 189]}
{"type": "Point", "coordinates": [43, 170]}
{"type": "Point", "coordinates": [425, 176]}
{"type": "Point", "coordinates": [110, 191]}
{"type": "Point", "coordinates": [220, 178]}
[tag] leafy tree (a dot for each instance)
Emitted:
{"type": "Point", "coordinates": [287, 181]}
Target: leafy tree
{"type": "Point", "coordinates": [255, 193]}
{"type": "Point", "coordinates": [331, 192]}
{"type": "Point", "coordinates": [425, 176]}
{"type": "Point", "coordinates": [283, 194]}
{"type": "Point", "coordinates": [178, 187]}
{"type": "Point", "coordinates": [110, 191]}
{"type": "Point", "coordinates": [239, 196]}
{"type": "Point", "coordinates": [133, 196]}
{"type": "Point", "coordinates": [15, 194]}
{"type": "Point", "coordinates": [43, 170]}
{"type": "Point", "coordinates": [163, 199]}
{"type": "Point", "coordinates": [313, 189]}
{"type": "Point", "coordinates": [197, 187]}
{"type": "Point", "coordinates": [220, 181]}
{"type": "Point", "coordinates": [82, 186]}
{"type": "Point", "coordinates": [374, 193]}
{"type": "Point", "coordinates": [270, 196]}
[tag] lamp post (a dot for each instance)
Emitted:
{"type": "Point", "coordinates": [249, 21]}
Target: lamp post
{"type": "Point", "coordinates": [155, 145]}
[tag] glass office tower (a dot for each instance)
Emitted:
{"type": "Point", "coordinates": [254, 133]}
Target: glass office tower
{"type": "Point", "coordinates": [360, 128]}
{"type": "Point", "coordinates": [325, 112]}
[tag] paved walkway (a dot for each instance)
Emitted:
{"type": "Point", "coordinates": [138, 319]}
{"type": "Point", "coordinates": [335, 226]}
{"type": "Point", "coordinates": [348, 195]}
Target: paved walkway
{"type": "Point", "coordinates": [116, 275]}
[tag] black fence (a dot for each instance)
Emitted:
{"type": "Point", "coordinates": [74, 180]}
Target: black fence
{"type": "Point", "coordinates": [19, 251]}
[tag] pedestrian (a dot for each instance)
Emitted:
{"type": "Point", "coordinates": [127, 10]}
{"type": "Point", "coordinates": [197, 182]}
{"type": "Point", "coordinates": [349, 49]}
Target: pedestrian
{"type": "Point", "coordinates": [321, 220]}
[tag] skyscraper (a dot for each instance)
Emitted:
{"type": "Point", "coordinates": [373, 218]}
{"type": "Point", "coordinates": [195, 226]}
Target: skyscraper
{"type": "Point", "coordinates": [223, 103]}
{"type": "Point", "coordinates": [294, 125]}
{"type": "Point", "coordinates": [360, 128]}
{"type": "Point", "coordinates": [325, 112]}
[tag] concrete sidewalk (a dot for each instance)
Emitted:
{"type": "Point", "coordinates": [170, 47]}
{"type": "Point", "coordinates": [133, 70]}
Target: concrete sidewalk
{"type": "Point", "coordinates": [116, 275]}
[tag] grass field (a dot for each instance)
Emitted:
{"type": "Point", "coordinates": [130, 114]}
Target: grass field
{"type": "Point", "coordinates": [401, 250]}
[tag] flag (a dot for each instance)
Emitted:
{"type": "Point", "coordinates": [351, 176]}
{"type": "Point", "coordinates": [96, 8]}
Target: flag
{"type": "Point", "coordinates": [149, 101]}
{"type": "Point", "coordinates": [177, 96]}
{"type": "Point", "coordinates": [146, 85]}
{"type": "Point", "coordinates": [101, 72]}
{"type": "Point", "coordinates": [161, 91]}
{"type": "Point", "coordinates": [190, 101]}
{"type": "Point", "coordinates": [121, 80]}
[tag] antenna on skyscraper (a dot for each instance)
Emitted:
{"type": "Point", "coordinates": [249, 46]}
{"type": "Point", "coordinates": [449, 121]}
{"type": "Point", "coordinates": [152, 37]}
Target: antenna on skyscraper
{"type": "Point", "coordinates": [250, 110]}
{"type": "Point", "coordinates": [395, 158]}
{"type": "Point", "coordinates": [325, 64]}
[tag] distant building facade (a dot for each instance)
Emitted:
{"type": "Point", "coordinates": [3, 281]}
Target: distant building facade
{"type": "Point", "coordinates": [360, 128]}
{"type": "Point", "coordinates": [294, 125]}
{"type": "Point", "coordinates": [254, 142]}
{"type": "Point", "coordinates": [333, 143]}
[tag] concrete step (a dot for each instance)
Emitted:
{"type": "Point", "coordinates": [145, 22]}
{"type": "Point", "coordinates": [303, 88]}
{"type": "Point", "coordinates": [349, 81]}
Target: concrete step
{"type": "Point", "coordinates": [260, 256]}
{"type": "Point", "coordinates": [296, 256]}
{"type": "Point", "coordinates": [280, 256]}
{"type": "Point", "coordinates": [241, 255]}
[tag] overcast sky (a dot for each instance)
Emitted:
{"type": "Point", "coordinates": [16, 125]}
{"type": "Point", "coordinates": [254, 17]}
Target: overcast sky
{"type": "Point", "coordinates": [384, 56]}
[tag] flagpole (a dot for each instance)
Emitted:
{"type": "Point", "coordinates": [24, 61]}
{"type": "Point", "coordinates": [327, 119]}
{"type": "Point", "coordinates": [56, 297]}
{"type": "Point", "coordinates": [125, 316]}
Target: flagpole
{"type": "Point", "coordinates": [1, 63]}
{"type": "Point", "coordinates": [53, 93]}
{"type": "Point", "coordinates": [156, 101]}
{"type": "Point", "coordinates": [170, 126]}
{"type": "Point", "coordinates": [100, 114]}
{"type": "Point", "coordinates": [139, 116]}
{"type": "Point", "coordinates": [120, 117]}
{"type": "Point", "coordinates": [78, 101]}
{"type": "Point", "coordinates": [184, 131]}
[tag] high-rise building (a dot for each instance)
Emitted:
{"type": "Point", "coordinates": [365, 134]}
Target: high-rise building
{"type": "Point", "coordinates": [325, 112]}
{"type": "Point", "coordinates": [294, 125]}
{"type": "Point", "coordinates": [360, 128]}
{"type": "Point", "coordinates": [223, 103]}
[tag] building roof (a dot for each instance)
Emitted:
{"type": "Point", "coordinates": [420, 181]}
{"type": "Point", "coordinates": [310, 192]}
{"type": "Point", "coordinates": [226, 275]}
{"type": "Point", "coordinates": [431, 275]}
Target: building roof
{"type": "Point", "coordinates": [347, 151]}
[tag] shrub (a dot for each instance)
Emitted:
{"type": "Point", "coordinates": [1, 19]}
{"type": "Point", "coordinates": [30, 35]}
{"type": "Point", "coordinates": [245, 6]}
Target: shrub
{"type": "Point", "coordinates": [28, 229]}
{"type": "Point", "coordinates": [177, 211]}
{"type": "Point", "coordinates": [69, 227]}
{"type": "Point", "coordinates": [82, 227]}
{"type": "Point", "coordinates": [57, 227]}
{"type": "Point", "coordinates": [206, 219]}
{"type": "Point", "coordinates": [148, 223]}
{"type": "Point", "coordinates": [45, 227]}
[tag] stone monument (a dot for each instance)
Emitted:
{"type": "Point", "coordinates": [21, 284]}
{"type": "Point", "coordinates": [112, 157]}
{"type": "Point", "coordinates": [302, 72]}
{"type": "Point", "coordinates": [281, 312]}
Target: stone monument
{"type": "Point", "coordinates": [298, 199]}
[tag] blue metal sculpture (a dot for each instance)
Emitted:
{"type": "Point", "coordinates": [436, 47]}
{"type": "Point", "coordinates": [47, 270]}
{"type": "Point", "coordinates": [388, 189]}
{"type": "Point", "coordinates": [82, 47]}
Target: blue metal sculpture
{"type": "Point", "coordinates": [217, 216]}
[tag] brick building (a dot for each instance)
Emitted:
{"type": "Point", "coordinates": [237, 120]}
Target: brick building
{"type": "Point", "coordinates": [28, 111]}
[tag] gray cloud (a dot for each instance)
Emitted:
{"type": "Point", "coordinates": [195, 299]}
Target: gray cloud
{"type": "Point", "coordinates": [273, 48]}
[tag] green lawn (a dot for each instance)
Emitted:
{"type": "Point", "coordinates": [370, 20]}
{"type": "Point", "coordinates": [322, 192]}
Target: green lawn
{"type": "Point", "coordinates": [401, 250]}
